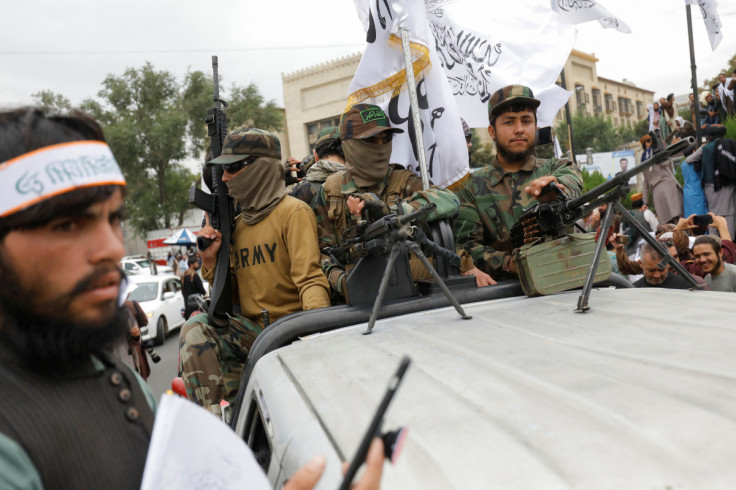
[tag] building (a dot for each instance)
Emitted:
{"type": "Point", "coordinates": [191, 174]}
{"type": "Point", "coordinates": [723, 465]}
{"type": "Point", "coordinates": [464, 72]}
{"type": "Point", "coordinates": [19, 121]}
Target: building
{"type": "Point", "coordinates": [315, 97]}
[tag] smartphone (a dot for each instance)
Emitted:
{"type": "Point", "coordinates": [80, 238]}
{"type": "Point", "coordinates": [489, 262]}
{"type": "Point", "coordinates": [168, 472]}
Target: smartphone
{"type": "Point", "coordinates": [374, 429]}
{"type": "Point", "coordinates": [623, 239]}
{"type": "Point", "coordinates": [702, 219]}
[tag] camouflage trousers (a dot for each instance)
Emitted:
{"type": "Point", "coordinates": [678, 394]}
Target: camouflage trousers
{"type": "Point", "coordinates": [212, 359]}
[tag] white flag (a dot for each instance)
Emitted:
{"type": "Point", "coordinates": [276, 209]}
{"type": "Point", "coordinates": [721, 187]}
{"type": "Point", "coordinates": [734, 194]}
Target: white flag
{"type": "Point", "coordinates": [381, 80]}
{"type": "Point", "coordinates": [577, 11]}
{"type": "Point", "coordinates": [482, 51]}
{"type": "Point", "coordinates": [709, 10]}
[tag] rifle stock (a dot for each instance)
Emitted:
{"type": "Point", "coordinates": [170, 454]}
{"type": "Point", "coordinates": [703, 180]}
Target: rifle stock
{"type": "Point", "coordinates": [219, 206]}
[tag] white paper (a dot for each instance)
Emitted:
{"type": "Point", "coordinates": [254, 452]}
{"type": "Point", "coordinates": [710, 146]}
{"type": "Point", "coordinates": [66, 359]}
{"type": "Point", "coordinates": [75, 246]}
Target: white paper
{"type": "Point", "coordinates": [191, 448]}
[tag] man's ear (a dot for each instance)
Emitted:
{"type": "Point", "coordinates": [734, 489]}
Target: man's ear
{"type": "Point", "coordinates": [316, 158]}
{"type": "Point", "coordinates": [492, 132]}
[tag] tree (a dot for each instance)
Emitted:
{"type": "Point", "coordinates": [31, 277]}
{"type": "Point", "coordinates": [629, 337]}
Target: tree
{"type": "Point", "coordinates": [595, 132]}
{"type": "Point", "coordinates": [152, 122]}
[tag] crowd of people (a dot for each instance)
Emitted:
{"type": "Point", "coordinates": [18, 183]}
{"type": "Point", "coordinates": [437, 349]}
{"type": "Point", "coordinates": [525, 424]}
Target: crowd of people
{"type": "Point", "coordinates": [58, 321]}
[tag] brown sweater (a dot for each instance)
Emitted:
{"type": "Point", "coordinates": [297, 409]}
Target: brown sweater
{"type": "Point", "coordinates": [276, 263]}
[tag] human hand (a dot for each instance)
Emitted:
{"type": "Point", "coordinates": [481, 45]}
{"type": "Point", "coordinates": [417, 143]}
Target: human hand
{"type": "Point", "coordinates": [535, 187]}
{"type": "Point", "coordinates": [720, 224]}
{"type": "Point", "coordinates": [209, 255]}
{"type": "Point", "coordinates": [135, 332]}
{"type": "Point", "coordinates": [355, 205]}
{"type": "Point", "coordinates": [685, 224]}
{"type": "Point", "coordinates": [481, 278]}
{"type": "Point", "coordinates": [308, 475]}
{"type": "Point", "coordinates": [615, 243]}
{"type": "Point", "coordinates": [644, 207]}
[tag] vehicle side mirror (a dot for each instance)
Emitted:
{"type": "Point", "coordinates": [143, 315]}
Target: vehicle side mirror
{"type": "Point", "coordinates": [168, 295]}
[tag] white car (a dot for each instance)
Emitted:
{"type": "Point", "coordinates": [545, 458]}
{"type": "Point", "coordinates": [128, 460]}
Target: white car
{"type": "Point", "coordinates": [161, 299]}
{"type": "Point", "coordinates": [138, 264]}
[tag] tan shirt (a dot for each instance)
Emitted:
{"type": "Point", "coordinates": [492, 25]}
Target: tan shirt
{"type": "Point", "coordinates": [276, 262]}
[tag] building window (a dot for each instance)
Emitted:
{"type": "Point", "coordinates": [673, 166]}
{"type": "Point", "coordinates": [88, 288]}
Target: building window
{"type": "Point", "coordinates": [580, 96]}
{"type": "Point", "coordinates": [610, 104]}
{"type": "Point", "coordinates": [597, 102]}
{"type": "Point", "coordinates": [639, 109]}
{"type": "Point", "coordinates": [315, 127]}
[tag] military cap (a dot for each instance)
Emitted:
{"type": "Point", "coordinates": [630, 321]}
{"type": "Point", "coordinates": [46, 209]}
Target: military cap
{"type": "Point", "coordinates": [245, 143]}
{"type": "Point", "coordinates": [330, 133]}
{"type": "Point", "coordinates": [363, 121]}
{"type": "Point", "coordinates": [510, 94]}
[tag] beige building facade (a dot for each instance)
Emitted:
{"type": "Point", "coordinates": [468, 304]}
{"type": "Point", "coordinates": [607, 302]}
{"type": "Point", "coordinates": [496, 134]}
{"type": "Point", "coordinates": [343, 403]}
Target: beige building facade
{"type": "Point", "coordinates": [315, 97]}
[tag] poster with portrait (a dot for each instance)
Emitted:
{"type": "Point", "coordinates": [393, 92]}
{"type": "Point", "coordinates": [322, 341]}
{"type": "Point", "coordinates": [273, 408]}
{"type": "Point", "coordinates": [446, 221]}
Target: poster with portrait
{"type": "Point", "coordinates": [622, 161]}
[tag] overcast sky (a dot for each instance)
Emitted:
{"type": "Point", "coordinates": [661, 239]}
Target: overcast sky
{"type": "Point", "coordinates": [69, 46]}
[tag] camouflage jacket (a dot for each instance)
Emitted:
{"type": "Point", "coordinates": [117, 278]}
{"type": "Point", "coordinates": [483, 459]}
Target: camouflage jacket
{"type": "Point", "coordinates": [491, 202]}
{"type": "Point", "coordinates": [400, 188]}
{"type": "Point", "coordinates": [307, 189]}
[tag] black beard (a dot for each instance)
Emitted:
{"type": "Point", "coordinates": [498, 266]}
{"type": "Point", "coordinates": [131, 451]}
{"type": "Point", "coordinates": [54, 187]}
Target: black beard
{"type": "Point", "coordinates": [52, 343]}
{"type": "Point", "coordinates": [515, 156]}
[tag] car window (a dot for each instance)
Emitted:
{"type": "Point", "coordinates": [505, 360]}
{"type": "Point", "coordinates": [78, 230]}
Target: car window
{"type": "Point", "coordinates": [177, 285]}
{"type": "Point", "coordinates": [255, 436]}
{"type": "Point", "coordinates": [146, 291]}
{"type": "Point", "coordinates": [128, 266]}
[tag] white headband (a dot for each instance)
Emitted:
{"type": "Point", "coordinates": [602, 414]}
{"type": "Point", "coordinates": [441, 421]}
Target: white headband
{"type": "Point", "coordinates": [53, 170]}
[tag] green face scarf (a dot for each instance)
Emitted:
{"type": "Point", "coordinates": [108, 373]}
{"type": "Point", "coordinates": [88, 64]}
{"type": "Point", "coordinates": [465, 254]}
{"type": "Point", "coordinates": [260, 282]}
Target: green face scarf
{"type": "Point", "coordinates": [258, 188]}
{"type": "Point", "coordinates": [367, 163]}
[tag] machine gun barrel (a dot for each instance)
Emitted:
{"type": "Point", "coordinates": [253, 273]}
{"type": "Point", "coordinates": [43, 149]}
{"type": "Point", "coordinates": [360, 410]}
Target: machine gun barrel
{"type": "Point", "coordinates": [624, 177]}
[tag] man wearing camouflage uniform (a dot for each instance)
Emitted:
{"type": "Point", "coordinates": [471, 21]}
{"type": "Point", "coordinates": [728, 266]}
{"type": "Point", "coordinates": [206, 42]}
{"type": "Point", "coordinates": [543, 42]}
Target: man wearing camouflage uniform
{"type": "Point", "coordinates": [370, 186]}
{"type": "Point", "coordinates": [328, 159]}
{"type": "Point", "coordinates": [492, 200]}
{"type": "Point", "coordinates": [274, 258]}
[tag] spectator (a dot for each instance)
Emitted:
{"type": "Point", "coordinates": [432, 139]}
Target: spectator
{"type": "Point", "coordinates": [720, 275]}
{"type": "Point", "coordinates": [191, 287]}
{"type": "Point", "coordinates": [666, 192]}
{"type": "Point", "coordinates": [656, 273]}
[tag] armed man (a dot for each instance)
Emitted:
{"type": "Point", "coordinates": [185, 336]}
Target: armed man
{"type": "Point", "coordinates": [274, 258]}
{"type": "Point", "coordinates": [370, 187]}
{"type": "Point", "coordinates": [328, 159]}
{"type": "Point", "coordinates": [494, 197]}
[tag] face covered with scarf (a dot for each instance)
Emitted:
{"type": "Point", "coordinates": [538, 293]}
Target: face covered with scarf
{"type": "Point", "coordinates": [367, 159]}
{"type": "Point", "coordinates": [258, 187]}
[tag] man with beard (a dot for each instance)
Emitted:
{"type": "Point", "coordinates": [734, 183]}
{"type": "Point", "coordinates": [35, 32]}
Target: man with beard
{"type": "Point", "coordinates": [656, 272]}
{"type": "Point", "coordinates": [274, 258]}
{"type": "Point", "coordinates": [370, 187]}
{"type": "Point", "coordinates": [720, 275]}
{"type": "Point", "coordinates": [494, 197]}
{"type": "Point", "coordinates": [61, 204]}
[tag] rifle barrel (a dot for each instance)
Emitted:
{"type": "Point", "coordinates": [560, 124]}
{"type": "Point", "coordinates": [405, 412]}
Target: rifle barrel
{"type": "Point", "coordinates": [624, 177]}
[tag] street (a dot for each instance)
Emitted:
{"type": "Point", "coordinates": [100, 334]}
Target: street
{"type": "Point", "coordinates": [164, 371]}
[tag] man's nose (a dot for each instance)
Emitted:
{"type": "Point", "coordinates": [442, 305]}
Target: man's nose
{"type": "Point", "coordinates": [107, 244]}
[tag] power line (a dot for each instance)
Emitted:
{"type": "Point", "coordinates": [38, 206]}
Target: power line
{"type": "Point", "coordinates": [170, 51]}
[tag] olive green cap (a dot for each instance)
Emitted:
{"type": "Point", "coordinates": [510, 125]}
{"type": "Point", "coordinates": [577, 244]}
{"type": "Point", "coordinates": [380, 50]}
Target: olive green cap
{"type": "Point", "coordinates": [245, 143]}
{"type": "Point", "coordinates": [363, 121]}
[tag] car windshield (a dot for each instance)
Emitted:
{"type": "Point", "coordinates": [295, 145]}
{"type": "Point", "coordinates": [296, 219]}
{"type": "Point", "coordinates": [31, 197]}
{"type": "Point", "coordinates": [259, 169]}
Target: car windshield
{"type": "Point", "coordinates": [146, 291]}
{"type": "Point", "coordinates": [143, 263]}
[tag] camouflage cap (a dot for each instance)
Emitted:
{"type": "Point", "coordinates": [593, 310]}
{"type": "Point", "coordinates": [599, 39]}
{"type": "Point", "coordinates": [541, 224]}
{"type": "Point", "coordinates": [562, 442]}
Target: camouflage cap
{"type": "Point", "coordinates": [510, 94]}
{"type": "Point", "coordinates": [245, 143]}
{"type": "Point", "coordinates": [329, 133]}
{"type": "Point", "coordinates": [363, 121]}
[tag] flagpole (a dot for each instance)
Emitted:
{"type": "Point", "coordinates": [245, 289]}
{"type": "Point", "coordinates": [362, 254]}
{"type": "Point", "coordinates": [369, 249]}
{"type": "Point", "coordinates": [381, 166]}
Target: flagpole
{"type": "Point", "coordinates": [567, 116]}
{"type": "Point", "coordinates": [694, 77]}
{"type": "Point", "coordinates": [404, 31]}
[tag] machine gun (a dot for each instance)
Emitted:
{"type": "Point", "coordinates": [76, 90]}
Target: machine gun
{"type": "Point", "coordinates": [220, 208]}
{"type": "Point", "coordinates": [544, 221]}
{"type": "Point", "coordinates": [395, 236]}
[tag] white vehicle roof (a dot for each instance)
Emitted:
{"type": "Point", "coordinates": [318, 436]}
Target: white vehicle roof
{"type": "Point", "coordinates": [640, 392]}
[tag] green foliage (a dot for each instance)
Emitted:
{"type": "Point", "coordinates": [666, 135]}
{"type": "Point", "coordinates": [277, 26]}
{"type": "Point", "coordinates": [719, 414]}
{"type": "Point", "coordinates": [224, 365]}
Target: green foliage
{"type": "Point", "coordinates": [480, 155]}
{"type": "Point", "coordinates": [152, 122]}
{"type": "Point", "coordinates": [595, 132]}
{"type": "Point", "coordinates": [50, 101]}
{"type": "Point", "coordinates": [730, 124]}
{"type": "Point", "coordinates": [591, 180]}
{"type": "Point", "coordinates": [641, 128]}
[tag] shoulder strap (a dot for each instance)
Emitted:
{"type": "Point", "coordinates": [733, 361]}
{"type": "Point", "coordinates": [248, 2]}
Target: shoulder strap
{"type": "Point", "coordinates": [333, 193]}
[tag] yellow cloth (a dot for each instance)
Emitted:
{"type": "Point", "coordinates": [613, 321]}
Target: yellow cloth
{"type": "Point", "coordinates": [276, 263]}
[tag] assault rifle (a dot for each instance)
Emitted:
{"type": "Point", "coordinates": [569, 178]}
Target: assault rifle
{"type": "Point", "coordinates": [551, 220]}
{"type": "Point", "coordinates": [395, 236]}
{"type": "Point", "coordinates": [219, 206]}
